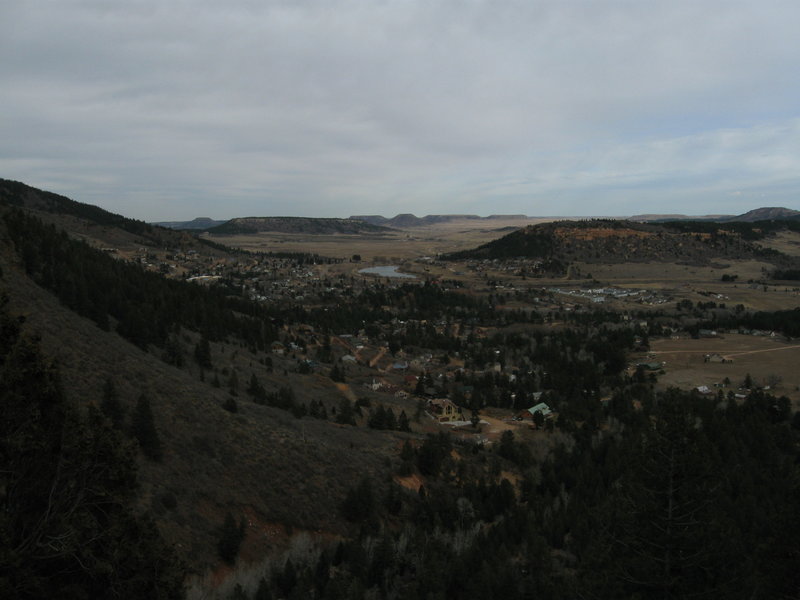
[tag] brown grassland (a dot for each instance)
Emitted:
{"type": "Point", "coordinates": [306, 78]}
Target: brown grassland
{"type": "Point", "coordinates": [769, 361]}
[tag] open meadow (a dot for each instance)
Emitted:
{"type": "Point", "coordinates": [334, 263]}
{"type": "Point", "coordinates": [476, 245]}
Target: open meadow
{"type": "Point", "coordinates": [770, 362]}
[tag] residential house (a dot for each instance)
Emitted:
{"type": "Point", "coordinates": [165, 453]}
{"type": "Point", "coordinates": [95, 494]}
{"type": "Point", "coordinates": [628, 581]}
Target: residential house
{"type": "Point", "coordinates": [543, 408]}
{"type": "Point", "coordinates": [444, 410]}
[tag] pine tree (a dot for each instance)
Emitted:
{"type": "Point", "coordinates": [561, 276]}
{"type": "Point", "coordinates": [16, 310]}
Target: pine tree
{"type": "Point", "coordinates": [233, 383]}
{"type": "Point", "coordinates": [402, 422]}
{"type": "Point", "coordinates": [256, 390]}
{"type": "Point", "coordinates": [667, 535]}
{"type": "Point", "coordinates": [143, 428]}
{"type": "Point", "coordinates": [173, 351]}
{"type": "Point", "coordinates": [230, 539]}
{"type": "Point", "coordinates": [391, 421]}
{"type": "Point", "coordinates": [345, 415]}
{"type": "Point", "coordinates": [202, 353]}
{"type": "Point", "coordinates": [111, 406]}
{"type": "Point", "coordinates": [263, 592]}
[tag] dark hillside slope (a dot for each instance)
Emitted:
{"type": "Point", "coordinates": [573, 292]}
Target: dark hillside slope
{"type": "Point", "coordinates": [143, 305]}
{"type": "Point", "coordinates": [260, 462]}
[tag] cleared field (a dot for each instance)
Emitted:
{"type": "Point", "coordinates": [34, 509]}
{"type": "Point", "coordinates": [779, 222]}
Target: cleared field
{"type": "Point", "coordinates": [396, 245]}
{"type": "Point", "coordinates": [769, 361]}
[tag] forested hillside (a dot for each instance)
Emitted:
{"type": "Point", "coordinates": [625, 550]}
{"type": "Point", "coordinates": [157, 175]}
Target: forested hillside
{"type": "Point", "coordinates": [68, 486]}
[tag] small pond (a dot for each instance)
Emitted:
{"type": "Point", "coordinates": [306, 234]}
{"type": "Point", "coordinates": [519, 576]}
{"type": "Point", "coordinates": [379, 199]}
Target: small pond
{"type": "Point", "coordinates": [386, 271]}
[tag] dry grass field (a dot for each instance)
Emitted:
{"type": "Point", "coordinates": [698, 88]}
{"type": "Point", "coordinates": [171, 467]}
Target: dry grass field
{"type": "Point", "coordinates": [766, 359]}
{"type": "Point", "coordinates": [395, 246]}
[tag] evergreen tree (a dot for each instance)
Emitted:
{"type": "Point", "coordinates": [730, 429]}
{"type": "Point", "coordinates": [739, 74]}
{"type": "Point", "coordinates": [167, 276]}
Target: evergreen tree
{"type": "Point", "coordinates": [111, 406]}
{"type": "Point", "coordinates": [390, 420]}
{"type": "Point", "coordinates": [402, 422]}
{"type": "Point", "coordinates": [345, 415]}
{"type": "Point", "coordinates": [337, 373]}
{"type": "Point", "coordinates": [231, 536]}
{"type": "Point", "coordinates": [263, 592]}
{"type": "Point", "coordinates": [256, 390]}
{"type": "Point", "coordinates": [377, 418]}
{"type": "Point", "coordinates": [202, 353]}
{"type": "Point", "coordinates": [286, 580]}
{"type": "Point", "coordinates": [360, 503]}
{"type": "Point", "coordinates": [143, 428]}
{"type": "Point", "coordinates": [668, 538]}
{"type": "Point", "coordinates": [233, 383]}
{"type": "Point", "coordinates": [173, 351]}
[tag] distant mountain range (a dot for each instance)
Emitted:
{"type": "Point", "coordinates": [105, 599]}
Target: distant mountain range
{"type": "Point", "coordinates": [770, 213]}
{"type": "Point", "coordinates": [407, 220]}
{"type": "Point", "coordinates": [308, 225]}
{"type": "Point", "coordinates": [360, 223]}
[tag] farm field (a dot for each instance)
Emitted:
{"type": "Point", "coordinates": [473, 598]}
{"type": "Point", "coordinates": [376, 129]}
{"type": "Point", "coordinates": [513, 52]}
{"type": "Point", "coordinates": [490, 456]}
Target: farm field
{"type": "Point", "coordinates": [767, 360]}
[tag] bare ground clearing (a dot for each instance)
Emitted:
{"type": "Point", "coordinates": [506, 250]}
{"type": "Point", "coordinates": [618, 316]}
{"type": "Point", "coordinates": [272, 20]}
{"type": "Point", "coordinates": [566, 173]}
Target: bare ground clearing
{"type": "Point", "coordinates": [397, 245]}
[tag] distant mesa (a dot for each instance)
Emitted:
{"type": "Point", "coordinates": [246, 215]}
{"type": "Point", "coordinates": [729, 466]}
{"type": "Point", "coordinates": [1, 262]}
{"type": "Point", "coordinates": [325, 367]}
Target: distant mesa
{"type": "Point", "coordinates": [406, 220]}
{"type": "Point", "coordinates": [307, 225]}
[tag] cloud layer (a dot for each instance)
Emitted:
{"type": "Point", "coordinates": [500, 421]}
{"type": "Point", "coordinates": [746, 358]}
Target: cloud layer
{"type": "Point", "coordinates": [167, 110]}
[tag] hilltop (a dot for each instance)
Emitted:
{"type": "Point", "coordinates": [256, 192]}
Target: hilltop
{"type": "Point", "coordinates": [752, 216]}
{"type": "Point", "coordinates": [766, 214]}
{"type": "Point", "coordinates": [617, 241]}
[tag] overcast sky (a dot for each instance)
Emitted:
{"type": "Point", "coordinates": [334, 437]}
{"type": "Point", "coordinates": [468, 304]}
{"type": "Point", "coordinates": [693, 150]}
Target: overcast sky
{"type": "Point", "coordinates": [167, 109]}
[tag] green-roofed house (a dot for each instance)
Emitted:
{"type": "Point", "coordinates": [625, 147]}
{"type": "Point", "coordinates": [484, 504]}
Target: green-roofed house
{"type": "Point", "coordinates": [542, 408]}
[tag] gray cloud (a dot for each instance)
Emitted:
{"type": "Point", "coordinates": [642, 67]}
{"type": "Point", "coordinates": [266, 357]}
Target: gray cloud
{"type": "Point", "coordinates": [170, 110]}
